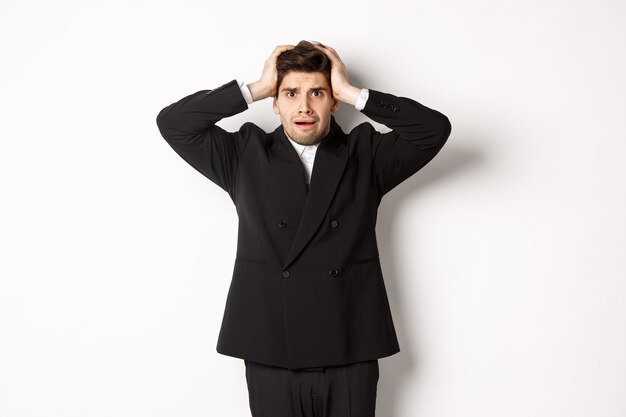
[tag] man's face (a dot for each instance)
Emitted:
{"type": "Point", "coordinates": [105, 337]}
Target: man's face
{"type": "Point", "coordinates": [305, 103]}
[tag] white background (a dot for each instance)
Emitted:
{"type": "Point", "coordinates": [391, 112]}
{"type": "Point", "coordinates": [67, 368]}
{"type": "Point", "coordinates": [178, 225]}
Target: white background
{"type": "Point", "coordinates": [504, 258]}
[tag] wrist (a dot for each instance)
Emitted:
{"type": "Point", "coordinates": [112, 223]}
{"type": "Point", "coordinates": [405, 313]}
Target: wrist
{"type": "Point", "coordinates": [348, 94]}
{"type": "Point", "coordinates": [259, 91]}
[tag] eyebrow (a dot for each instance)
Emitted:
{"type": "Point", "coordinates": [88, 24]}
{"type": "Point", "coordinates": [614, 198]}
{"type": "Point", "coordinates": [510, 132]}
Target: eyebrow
{"type": "Point", "coordinates": [310, 89]}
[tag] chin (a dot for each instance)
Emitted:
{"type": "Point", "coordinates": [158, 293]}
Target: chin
{"type": "Point", "coordinates": [305, 139]}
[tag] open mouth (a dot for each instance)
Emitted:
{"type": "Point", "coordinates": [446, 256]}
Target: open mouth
{"type": "Point", "coordinates": [305, 123]}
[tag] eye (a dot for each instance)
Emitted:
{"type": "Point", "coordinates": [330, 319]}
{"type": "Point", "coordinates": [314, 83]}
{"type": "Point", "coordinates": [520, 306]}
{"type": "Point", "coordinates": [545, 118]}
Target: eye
{"type": "Point", "coordinates": [291, 94]}
{"type": "Point", "coordinates": [317, 93]}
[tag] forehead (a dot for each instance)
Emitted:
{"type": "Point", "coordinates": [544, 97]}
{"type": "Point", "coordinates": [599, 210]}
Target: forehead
{"type": "Point", "coordinates": [295, 79]}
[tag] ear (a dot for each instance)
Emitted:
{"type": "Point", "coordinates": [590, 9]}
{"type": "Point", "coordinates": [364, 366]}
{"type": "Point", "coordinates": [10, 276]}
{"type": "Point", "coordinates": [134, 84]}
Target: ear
{"type": "Point", "coordinates": [335, 106]}
{"type": "Point", "coordinates": [275, 106]}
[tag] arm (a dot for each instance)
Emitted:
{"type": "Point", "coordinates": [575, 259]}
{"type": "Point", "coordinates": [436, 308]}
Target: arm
{"type": "Point", "coordinates": [189, 127]}
{"type": "Point", "coordinates": [418, 132]}
{"type": "Point", "coordinates": [417, 135]}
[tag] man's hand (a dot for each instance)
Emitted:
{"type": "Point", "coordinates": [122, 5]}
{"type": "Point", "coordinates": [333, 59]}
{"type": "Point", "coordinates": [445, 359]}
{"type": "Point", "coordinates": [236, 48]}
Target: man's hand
{"type": "Point", "coordinates": [342, 89]}
{"type": "Point", "coordinates": [266, 86]}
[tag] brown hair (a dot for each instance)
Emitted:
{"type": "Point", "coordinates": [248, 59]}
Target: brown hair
{"type": "Point", "coordinates": [304, 57]}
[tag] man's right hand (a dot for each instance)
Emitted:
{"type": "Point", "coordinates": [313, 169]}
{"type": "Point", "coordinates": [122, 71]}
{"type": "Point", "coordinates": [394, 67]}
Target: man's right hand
{"type": "Point", "coordinates": [266, 86]}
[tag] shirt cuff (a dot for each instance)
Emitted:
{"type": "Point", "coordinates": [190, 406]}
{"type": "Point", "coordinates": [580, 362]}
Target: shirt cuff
{"type": "Point", "coordinates": [245, 91]}
{"type": "Point", "coordinates": [360, 102]}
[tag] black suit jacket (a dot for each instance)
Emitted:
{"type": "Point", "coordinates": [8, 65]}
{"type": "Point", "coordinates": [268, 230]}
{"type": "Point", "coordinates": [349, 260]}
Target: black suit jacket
{"type": "Point", "coordinates": [307, 287]}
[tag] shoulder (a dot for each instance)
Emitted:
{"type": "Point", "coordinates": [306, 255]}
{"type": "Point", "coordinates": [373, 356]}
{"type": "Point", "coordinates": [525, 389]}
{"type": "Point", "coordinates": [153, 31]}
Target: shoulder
{"type": "Point", "coordinates": [255, 134]}
{"type": "Point", "coordinates": [363, 129]}
{"type": "Point", "coordinates": [249, 127]}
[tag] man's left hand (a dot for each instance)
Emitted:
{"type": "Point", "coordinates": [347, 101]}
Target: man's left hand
{"type": "Point", "coordinates": [342, 89]}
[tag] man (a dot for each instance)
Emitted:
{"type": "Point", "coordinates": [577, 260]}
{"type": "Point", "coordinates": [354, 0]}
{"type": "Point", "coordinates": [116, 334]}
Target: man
{"type": "Point", "coordinates": [307, 308]}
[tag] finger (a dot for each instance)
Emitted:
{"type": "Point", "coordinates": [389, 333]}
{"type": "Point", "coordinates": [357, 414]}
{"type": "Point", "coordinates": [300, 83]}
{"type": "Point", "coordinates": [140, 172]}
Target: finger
{"type": "Point", "coordinates": [330, 52]}
{"type": "Point", "coordinates": [282, 48]}
{"type": "Point", "coordinates": [276, 52]}
{"type": "Point", "coordinates": [326, 51]}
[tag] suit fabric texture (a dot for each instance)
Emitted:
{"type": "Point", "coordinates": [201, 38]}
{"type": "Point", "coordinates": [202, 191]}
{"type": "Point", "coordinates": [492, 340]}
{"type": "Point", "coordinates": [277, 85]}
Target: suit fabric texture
{"type": "Point", "coordinates": [307, 287]}
{"type": "Point", "coordinates": [335, 391]}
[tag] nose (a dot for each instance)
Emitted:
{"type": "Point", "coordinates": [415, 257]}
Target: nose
{"type": "Point", "coordinates": [303, 105]}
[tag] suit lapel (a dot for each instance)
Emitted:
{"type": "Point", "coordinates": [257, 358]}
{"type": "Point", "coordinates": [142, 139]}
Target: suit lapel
{"type": "Point", "coordinates": [287, 176]}
{"type": "Point", "coordinates": [330, 160]}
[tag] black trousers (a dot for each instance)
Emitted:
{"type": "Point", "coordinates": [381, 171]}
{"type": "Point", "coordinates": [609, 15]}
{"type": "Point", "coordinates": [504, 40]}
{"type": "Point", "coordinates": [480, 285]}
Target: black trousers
{"type": "Point", "coordinates": [334, 391]}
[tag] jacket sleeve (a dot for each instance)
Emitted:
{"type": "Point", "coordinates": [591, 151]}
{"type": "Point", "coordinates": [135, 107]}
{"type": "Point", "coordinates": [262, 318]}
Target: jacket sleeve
{"type": "Point", "coordinates": [188, 126]}
{"type": "Point", "coordinates": [417, 135]}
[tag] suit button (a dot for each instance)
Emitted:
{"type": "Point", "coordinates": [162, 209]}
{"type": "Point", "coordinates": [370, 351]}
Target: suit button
{"type": "Point", "coordinates": [286, 274]}
{"type": "Point", "coordinates": [333, 272]}
{"type": "Point", "coordinates": [334, 223]}
{"type": "Point", "coordinates": [282, 223]}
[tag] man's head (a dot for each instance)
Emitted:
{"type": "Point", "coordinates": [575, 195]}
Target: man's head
{"type": "Point", "coordinates": [304, 98]}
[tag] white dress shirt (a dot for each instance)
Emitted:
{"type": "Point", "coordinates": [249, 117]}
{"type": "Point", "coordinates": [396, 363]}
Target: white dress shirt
{"type": "Point", "coordinates": [307, 156]}
{"type": "Point", "coordinates": [307, 152]}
